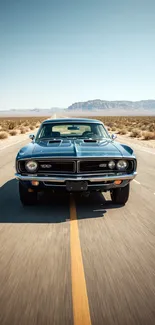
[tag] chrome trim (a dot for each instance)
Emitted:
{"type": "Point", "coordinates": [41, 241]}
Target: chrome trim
{"type": "Point", "coordinates": [89, 185]}
{"type": "Point", "coordinates": [74, 164]}
{"type": "Point", "coordinates": [55, 185]}
{"type": "Point", "coordinates": [62, 179]}
{"type": "Point", "coordinates": [79, 158]}
{"type": "Point", "coordinates": [78, 166]}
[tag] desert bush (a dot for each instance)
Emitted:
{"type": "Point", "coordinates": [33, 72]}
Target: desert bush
{"type": "Point", "coordinates": [122, 132]}
{"type": "Point", "coordinates": [32, 127]}
{"type": "Point", "coordinates": [26, 123]}
{"type": "Point", "coordinates": [148, 135]}
{"type": "Point", "coordinates": [3, 135]}
{"type": "Point", "coordinates": [113, 128]}
{"type": "Point", "coordinates": [151, 127]}
{"type": "Point", "coordinates": [135, 133]}
{"type": "Point", "coordinates": [110, 124]}
{"type": "Point", "coordinates": [37, 124]}
{"type": "Point", "coordinates": [120, 126]}
{"type": "Point", "coordinates": [27, 129]}
{"type": "Point", "coordinates": [129, 128]}
{"type": "Point", "coordinates": [11, 125]}
{"type": "Point", "coordinates": [22, 130]}
{"type": "Point", "coordinates": [143, 127]}
{"type": "Point", "coordinates": [4, 129]}
{"type": "Point", "coordinates": [13, 132]}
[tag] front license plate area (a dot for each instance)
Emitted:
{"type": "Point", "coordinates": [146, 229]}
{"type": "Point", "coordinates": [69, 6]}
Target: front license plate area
{"type": "Point", "coordinates": [76, 186]}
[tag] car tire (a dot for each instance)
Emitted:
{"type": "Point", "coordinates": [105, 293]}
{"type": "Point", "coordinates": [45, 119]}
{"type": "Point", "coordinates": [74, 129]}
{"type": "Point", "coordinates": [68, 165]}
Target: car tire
{"type": "Point", "coordinates": [27, 198]}
{"type": "Point", "coordinates": [120, 195]}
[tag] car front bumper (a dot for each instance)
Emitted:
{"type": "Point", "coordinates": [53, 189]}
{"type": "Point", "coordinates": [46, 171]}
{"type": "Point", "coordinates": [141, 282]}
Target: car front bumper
{"type": "Point", "coordinates": [103, 183]}
{"type": "Point", "coordinates": [63, 179]}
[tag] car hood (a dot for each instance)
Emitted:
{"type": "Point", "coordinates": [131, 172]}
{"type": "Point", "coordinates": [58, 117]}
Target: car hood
{"type": "Point", "coordinates": [75, 149]}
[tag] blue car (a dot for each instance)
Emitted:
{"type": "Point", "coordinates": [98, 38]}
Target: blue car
{"type": "Point", "coordinates": [75, 155]}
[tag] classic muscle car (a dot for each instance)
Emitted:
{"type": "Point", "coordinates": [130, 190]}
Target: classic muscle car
{"type": "Point", "coordinates": [76, 155]}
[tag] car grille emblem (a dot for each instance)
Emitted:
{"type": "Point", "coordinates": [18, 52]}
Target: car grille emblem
{"type": "Point", "coordinates": [46, 166]}
{"type": "Point", "coordinates": [102, 165]}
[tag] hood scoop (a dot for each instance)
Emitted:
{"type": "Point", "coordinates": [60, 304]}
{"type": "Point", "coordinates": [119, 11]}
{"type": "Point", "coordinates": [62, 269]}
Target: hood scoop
{"type": "Point", "coordinates": [58, 143]}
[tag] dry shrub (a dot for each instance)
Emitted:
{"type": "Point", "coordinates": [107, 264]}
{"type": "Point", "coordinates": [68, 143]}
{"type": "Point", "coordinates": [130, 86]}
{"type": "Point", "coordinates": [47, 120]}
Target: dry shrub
{"type": "Point", "coordinates": [122, 132]}
{"type": "Point", "coordinates": [151, 127]}
{"type": "Point", "coordinates": [32, 127]}
{"type": "Point", "coordinates": [135, 133]}
{"type": "Point", "coordinates": [3, 130]}
{"type": "Point", "coordinates": [11, 125]}
{"type": "Point", "coordinates": [26, 123]}
{"type": "Point", "coordinates": [143, 128]}
{"type": "Point", "coordinates": [37, 125]}
{"type": "Point", "coordinates": [3, 135]}
{"type": "Point", "coordinates": [113, 128]}
{"type": "Point", "coordinates": [121, 126]}
{"type": "Point", "coordinates": [22, 130]}
{"type": "Point", "coordinates": [13, 132]}
{"type": "Point", "coordinates": [129, 128]}
{"type": "Point", "coordinates": [149, 135]}
{"type": "Point", "coordinates": [110, 124]}
{"type": "Point", "coordinates": [27, 129]}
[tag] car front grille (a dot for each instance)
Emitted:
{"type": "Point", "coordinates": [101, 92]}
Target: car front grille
{"type": "Point", "coordinates": [51, 166]}
{"type": "Point", "coordinates": [57, 166]}
{"type": "Point", "coordinates": [96, 166]}
{"type": "Point", "coordinates": [100, 166]}
{"type": "Point", "coordinates": [70, 166]}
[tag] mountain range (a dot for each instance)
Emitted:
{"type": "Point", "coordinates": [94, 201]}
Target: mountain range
{"type": "Point", "coordinates": [98, 104]}
{"type": "Point", "coordinates": [90, 107]}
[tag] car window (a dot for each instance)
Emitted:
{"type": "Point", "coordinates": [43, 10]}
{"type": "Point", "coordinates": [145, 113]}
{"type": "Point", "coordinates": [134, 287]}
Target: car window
{"type": "Point", "coordinates": [70, 130]}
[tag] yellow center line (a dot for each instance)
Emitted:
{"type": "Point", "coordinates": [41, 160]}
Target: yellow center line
{"type": "Point", "coordinates": [81, 313]}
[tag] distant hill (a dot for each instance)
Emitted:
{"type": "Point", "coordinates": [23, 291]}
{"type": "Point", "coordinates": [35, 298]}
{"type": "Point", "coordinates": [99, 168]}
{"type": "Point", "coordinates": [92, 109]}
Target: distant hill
{"type": "Point", "coordinates": [31, 112]}
{"type": "Point", "coordinates": [98, 104]}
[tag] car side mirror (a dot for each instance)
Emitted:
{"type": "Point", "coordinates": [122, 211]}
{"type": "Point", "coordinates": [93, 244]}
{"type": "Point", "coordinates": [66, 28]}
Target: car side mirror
{"type": "Point", "coordinates": [32, 136]}
{"type": "Point", "coordinates": [114, 136]}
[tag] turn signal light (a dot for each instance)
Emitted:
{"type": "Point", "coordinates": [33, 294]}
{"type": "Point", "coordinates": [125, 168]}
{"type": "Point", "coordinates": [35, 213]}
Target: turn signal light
{"type": "Point", "coordinates": [30, 190]}
{"type": "Point", "coordinates": [35, 183]}
{"type": "Point", "coordinates": [118, 182]}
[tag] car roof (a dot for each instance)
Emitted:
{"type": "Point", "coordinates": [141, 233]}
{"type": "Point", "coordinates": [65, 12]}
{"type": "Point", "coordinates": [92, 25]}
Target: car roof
{"type": "Point", "coordinates": [72, 120]}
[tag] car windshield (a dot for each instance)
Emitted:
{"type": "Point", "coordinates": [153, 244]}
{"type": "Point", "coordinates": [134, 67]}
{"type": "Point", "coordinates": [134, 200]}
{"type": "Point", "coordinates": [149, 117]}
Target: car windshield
{"type": "Point", "coordinates": [72, 130]}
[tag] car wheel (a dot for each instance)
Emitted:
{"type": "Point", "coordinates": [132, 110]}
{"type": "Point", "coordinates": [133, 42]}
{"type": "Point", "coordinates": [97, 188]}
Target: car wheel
{"type": "Point", "coordinates": [120, 195]}
{"type": "Point", "coordinates": [27, 198]}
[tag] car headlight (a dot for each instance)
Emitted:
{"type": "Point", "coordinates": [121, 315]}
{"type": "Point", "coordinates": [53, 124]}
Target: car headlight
{"type": "Point", "coordinates": [122, 164]}
{"type": "Point", "coordinates": [111, 164]}
{"type": "Point", "coordinates": [31, 166]}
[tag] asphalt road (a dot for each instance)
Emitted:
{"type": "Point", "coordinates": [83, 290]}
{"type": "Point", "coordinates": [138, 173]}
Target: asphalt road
{"type": "Point", "coordinates": [77, 260]}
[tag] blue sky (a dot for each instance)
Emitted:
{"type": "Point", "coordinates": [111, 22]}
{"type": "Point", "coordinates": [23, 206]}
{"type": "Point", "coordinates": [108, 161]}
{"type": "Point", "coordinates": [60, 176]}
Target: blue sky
{"type": "Point", "coordinates": [55, 53]}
